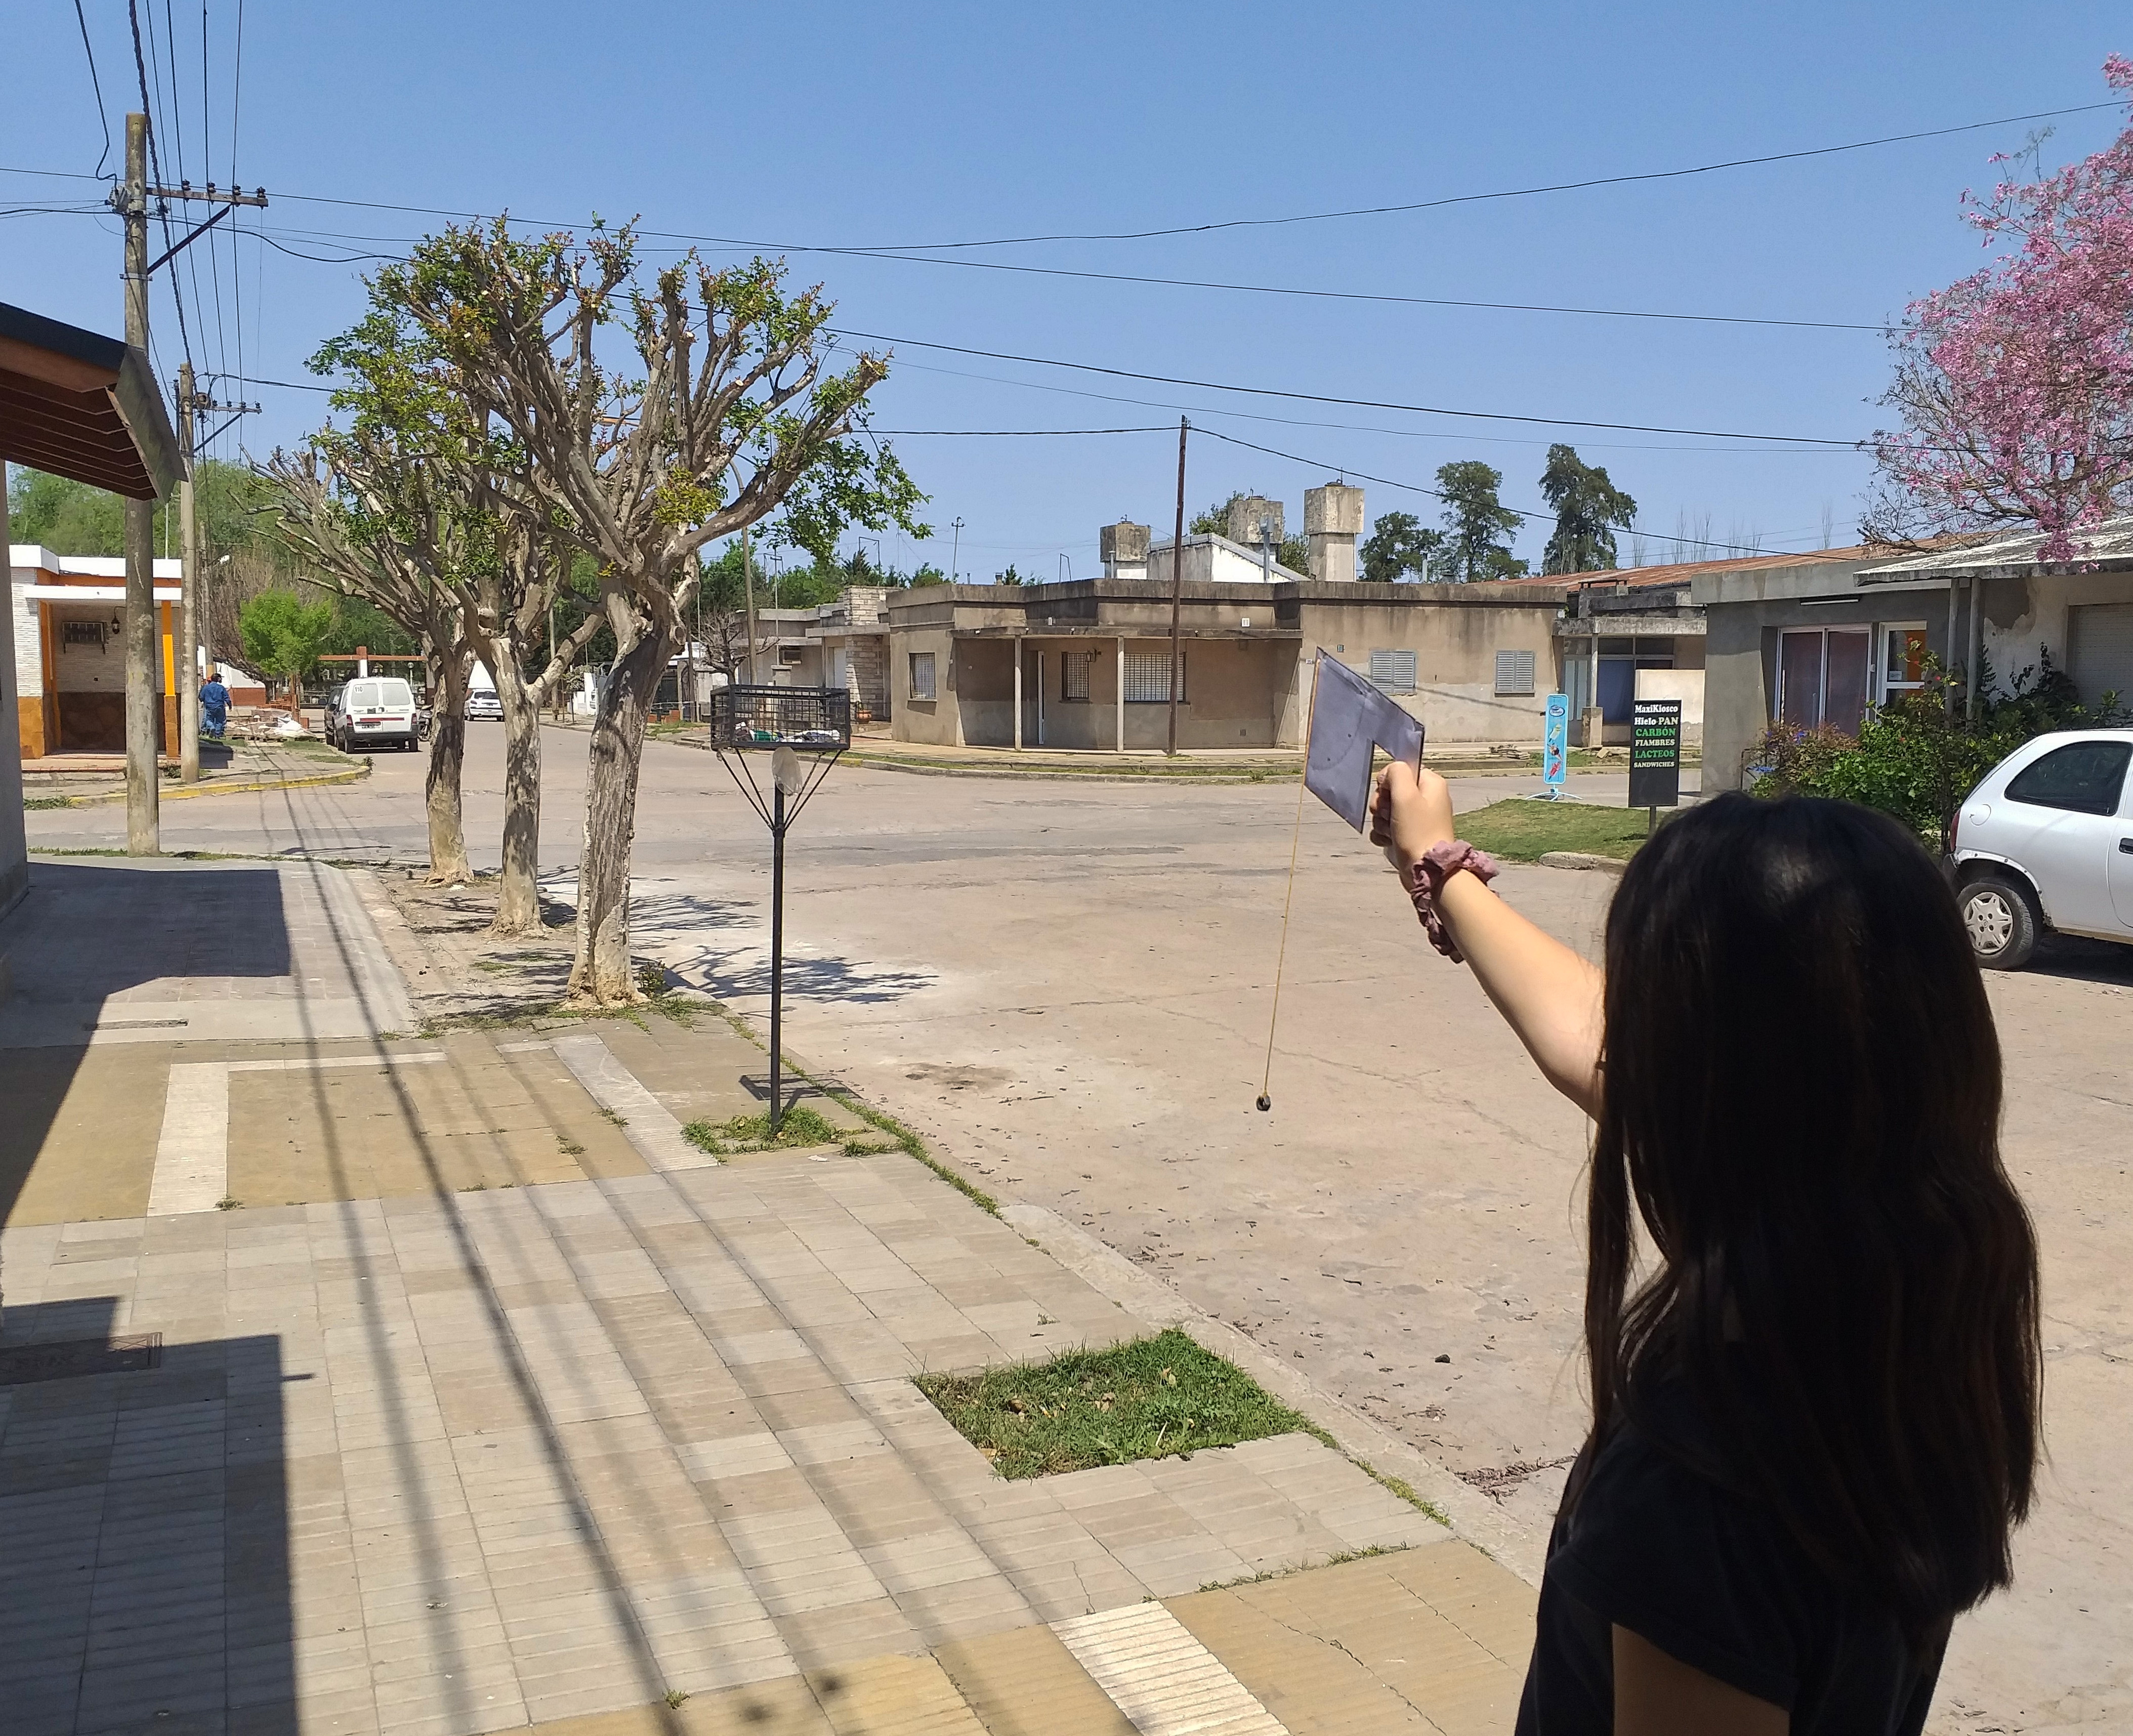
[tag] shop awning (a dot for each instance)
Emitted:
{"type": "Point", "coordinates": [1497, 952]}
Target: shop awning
{"type": "Point", "coordinates": [83, 406]}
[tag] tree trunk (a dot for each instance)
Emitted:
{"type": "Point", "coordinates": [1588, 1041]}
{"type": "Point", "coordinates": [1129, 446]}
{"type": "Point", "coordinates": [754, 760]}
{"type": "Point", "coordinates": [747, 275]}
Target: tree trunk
{"type": "Point", "coordinates": [600, 975]}
{"type": "Point", "coordinates": [448, 688]}
{"type": "Point", "coordinates": [518, 897]}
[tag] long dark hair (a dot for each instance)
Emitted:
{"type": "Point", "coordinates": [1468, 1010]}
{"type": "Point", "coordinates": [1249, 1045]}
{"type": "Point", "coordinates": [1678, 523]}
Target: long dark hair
{"type": "Point", "coordinates": [1801, 1091]}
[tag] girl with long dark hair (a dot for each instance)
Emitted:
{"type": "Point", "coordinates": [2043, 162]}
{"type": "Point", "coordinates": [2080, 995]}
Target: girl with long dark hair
{"type": "Point", "coordinates": [1815, 1377]}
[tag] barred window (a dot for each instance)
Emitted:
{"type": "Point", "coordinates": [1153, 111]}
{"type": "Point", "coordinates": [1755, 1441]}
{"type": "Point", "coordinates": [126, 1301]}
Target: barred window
{"type": "Point", "coordinates": [1393, 672]}
{"type": "Point", "coordinates": [922, 675]}
{"type": "Point", "coordinates": [1074, 668]}
{"type": "Point", "coordinates": [1147, 678]}
{"type": "Point", "coordinates": [1514, 672]}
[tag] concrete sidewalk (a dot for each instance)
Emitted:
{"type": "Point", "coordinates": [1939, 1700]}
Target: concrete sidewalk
{"type": "Point", "coordinates": [485, 1401]}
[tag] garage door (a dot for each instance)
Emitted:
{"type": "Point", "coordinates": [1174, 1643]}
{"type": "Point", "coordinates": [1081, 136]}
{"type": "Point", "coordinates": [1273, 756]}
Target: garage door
{"type": "Point", "coordinates": [2100, 650]}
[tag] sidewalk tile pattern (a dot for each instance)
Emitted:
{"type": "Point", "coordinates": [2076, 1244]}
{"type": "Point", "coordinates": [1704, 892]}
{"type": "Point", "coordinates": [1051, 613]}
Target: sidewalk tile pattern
{"type": "Point", "coordinates": [465, 1463]}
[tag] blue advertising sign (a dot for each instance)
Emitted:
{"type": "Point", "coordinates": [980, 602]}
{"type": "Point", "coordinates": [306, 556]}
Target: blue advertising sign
{"type": "Point", "coordinates": [1555, 746]}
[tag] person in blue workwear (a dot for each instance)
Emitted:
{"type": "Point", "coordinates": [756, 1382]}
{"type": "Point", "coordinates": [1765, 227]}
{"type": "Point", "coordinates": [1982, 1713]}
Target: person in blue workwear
{"type": "Point", "coordinates": [215, 705]}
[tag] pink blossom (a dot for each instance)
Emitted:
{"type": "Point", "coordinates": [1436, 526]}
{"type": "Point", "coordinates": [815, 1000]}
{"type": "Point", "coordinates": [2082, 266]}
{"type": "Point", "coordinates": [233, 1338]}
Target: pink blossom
{"type": "Point", "coordinates": [2015, 384]}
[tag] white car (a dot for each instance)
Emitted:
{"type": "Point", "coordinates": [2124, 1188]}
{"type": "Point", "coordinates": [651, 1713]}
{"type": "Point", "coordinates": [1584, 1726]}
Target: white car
{"type": "Point", "coordinates": [2046, 842]}
{"type": "Point", "coordinates": [483, 706]}
{"type": "Point", "coordinates": [373, 711]}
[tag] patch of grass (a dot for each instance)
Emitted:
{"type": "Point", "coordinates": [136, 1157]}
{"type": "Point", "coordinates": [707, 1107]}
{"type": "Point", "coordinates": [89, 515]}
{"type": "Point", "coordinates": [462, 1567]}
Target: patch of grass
{"type": "Point", "coordinates": [799, 1126]}
{"type": "Point", "coordinates": [34, 802]}
{"type": "Point", "coordinates": [1156, 1398]}
{"type": "Point", "coordinates": [1342, 1560]}
{"type": "Point", "coordinates": [569, 1148]}
{"type": "Point", "coordinates": [619, 1120]}
{"type": "Point", "coordinates": [907, 1141]}
{"type": "Point", "coordinates": [1405, 1491]}
{"type": "Point", "coordinates": [652, 980]}
{"type": "Point", "coordinates": [677, 1697]}
{"type": "Point", "coordinates": [1524, 830]}
{"type": "Point", "coordinates": [229, 1203]}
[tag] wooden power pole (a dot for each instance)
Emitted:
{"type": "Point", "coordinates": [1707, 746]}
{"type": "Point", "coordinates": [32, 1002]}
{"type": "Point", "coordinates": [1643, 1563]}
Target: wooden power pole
{"type": "Point", "coordinates": [144, 686]}
{"type": "Point", "coordinates": [1176, 583]}
{"type": "Point", "coordinates": [188, 674]}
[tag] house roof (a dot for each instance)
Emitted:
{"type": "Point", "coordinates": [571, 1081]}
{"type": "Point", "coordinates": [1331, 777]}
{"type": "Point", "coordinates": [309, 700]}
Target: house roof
{"type": "Point", "coordinates": [80, 405]}
{"type": "Point", "coordinates": [2110, 541]}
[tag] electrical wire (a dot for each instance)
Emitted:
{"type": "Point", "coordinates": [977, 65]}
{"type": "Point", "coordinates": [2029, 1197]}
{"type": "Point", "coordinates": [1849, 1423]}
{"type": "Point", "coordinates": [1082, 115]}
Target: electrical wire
{"type": "Point", "coordinates": [96, 84]}
{"type": "Point", "coordinates": [1565, 186]}
{"type": "Point", "coordinates": [155, 163]}
{"type": "Point", "coordinates": [1416, 488]}
{"type": "Point", "coordinates": [1361, 404]}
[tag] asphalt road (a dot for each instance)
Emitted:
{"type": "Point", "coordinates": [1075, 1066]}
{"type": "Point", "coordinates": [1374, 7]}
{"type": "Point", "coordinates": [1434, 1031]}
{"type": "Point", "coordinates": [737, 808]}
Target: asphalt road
{"type": "Point", "coordinates": [1067, 988]}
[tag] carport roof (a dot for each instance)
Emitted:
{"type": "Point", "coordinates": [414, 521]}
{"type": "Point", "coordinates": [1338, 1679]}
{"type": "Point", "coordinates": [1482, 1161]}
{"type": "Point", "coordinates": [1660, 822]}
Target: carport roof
{"type": "Point", "coordinates": [2110, 541]}
{"type": "Point", "coordinates": [83, 406]}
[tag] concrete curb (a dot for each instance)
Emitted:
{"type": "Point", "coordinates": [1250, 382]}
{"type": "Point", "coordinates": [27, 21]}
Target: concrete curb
{"type": "Point", "coordinates": [1582, 859]}
{"type": "Point", "coordinates": [1474, 1516]}
{"type": "Point", "coordinates": [189, 791]}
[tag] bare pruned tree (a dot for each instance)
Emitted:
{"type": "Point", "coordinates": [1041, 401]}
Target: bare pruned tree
{"type": "Point", "coordinates": [723, 411]}
{"type": "Point", "coordinates": [367, 515]}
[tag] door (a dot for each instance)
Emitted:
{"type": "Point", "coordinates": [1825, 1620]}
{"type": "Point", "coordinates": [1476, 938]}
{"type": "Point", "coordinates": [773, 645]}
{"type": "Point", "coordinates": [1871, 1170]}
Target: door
{"type": "Point", "coordinates": [1799, 679]}
{"type": "Point", "coordinates": [1846, 663]}
{"type": "Point", "coordinates": [2059, 819]}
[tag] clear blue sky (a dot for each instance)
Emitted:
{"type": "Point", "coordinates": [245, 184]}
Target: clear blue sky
{"type": "Point", "coordinates": [845, 125]}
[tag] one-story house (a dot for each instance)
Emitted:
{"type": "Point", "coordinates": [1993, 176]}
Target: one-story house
{"type": "Point", "coordinates": [1085, 663]}
{"type": "Point", "coordinates": [69, 615]}
{"type": "Point", "coordinates": [1815, 640]}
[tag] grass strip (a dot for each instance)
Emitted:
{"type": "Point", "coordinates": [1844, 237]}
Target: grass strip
{"type": "Point", "coordinates": [1154, 1398]}
{"type": "Point", "coordinates": [907, 1141]}
{"type": "Point", "coordinates": [1524, 830]}
{"type": "Point", "coordinates": [799, 1126]}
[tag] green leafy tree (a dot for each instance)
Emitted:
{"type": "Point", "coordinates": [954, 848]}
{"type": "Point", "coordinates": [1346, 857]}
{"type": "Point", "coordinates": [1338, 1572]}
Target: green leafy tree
{"type": "Point", "coordinates": [70, 517]}
{"type": "Point", "coordinates": [1477, 524]}
{"type": "Point", "coordinates": [1010, 578]}
{"type": "Point", "coordinates": [283, 636]}
{"type": "Point", "coordinates": [1589, 508]}
{"type": "Point", "coordinates": [1399, 546]}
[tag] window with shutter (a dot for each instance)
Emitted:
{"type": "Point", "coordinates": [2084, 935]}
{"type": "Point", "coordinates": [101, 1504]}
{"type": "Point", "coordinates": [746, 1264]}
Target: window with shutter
{"type": "Point", "coordinates": [1147, 678]}
{"type": "Point", "coordinates": [1393, 672]}
{"type": "Point", "coordinates": [1514, 672]}
{"type": "Point", "coordinates": [1074, 668]}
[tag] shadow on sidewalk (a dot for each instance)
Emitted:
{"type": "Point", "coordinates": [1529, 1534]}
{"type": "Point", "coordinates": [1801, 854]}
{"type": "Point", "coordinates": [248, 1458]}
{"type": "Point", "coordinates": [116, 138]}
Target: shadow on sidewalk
{"type": "Point", "coordinates": [144, 1582]}
{"type": "Point", "coordinates": [89, 931]}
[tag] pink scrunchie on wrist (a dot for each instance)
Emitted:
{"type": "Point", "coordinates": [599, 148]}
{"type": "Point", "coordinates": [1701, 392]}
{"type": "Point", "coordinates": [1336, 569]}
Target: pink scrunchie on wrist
{"type": "Point", "coordinates": [1425, 883]}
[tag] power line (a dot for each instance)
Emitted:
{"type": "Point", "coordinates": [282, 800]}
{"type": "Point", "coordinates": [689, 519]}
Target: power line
{"type": "Point", "coordinates": [1361, 404]}
{"type": "Point", "coordinates": [1416, 488]}
{"type": "Point", "coordinates": [1324, 294]}
{"type": "Point", "coordinates": [1563, 187]}
{"type": "Point", "coordinates": [155, 164]}
{"type": "Point", "coordinates": [96, 84]}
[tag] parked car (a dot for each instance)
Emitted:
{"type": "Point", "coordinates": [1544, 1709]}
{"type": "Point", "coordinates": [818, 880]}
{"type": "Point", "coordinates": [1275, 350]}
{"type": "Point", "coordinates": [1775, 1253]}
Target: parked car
{"type": "Point", "coordinates": [2045, 842]}
{"type": "Point", "coordinates": [373, 711]}
{"type": "Point", "coordinates": [483, 706]}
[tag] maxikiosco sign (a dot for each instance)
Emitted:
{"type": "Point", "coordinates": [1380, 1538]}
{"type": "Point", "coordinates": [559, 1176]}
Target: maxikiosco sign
{"type": "Point", "coordinates": [1655, 754]}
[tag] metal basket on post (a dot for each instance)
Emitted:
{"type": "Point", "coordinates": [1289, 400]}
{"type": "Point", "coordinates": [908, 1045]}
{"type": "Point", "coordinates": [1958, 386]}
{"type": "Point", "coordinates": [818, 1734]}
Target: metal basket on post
{"type": "Point", "coordinates": [803, 729]}
{"type": "Point", "coordinates": [807, 720]}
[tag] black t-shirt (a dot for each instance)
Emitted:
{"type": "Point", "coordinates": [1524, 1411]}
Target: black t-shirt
{"type": "Point", "coordinates": [1711, 1577]}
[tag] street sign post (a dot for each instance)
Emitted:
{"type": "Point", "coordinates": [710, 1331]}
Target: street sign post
{"type": "Point", "coordinates": [1655, 755]}
{"type": "Point", "coordinates": [1555, 746]}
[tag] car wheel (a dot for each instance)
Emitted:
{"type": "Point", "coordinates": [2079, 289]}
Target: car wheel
{"type": "Point", "coordinates": [2002, 921]}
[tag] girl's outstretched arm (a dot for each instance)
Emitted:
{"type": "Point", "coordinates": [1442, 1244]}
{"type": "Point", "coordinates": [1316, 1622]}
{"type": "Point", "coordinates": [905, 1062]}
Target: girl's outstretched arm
{"type": "Point", "coordinates": [1549, 994]}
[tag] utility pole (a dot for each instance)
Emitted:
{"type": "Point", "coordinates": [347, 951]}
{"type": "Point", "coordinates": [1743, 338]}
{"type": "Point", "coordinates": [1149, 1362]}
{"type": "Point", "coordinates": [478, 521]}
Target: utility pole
{"type": "Point", "coordinates": [748, 588]}
{"type": "Point", "coordinates": [955, 559]}
{"type": "Point", "coordinates": [187, 671]}
{"type": "Point", "coordinates": [1176, 583]}
{"type": "Point", "coordinates": [144, 694]}
{"type": "Point", "coordinates": [144, 690]}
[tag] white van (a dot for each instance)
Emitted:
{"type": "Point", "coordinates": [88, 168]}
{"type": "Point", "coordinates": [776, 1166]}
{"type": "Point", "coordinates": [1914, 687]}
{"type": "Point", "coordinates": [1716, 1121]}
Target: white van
{"type": "Point", "coordinates": [373, 711]}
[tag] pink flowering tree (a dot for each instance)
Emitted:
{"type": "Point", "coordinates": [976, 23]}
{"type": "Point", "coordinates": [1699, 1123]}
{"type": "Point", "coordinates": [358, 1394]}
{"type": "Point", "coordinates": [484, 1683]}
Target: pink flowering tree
{"type": "Point", "coordinates": [2014, 386]}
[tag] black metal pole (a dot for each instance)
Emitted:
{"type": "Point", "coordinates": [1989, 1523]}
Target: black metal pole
{"type": "Point", "coordinates": [777, 957]}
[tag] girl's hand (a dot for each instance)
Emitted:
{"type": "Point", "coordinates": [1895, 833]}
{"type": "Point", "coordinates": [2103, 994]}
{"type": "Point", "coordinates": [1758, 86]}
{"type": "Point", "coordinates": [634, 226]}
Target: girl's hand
{"type": "Point", "coordinates": [1409, 812]}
